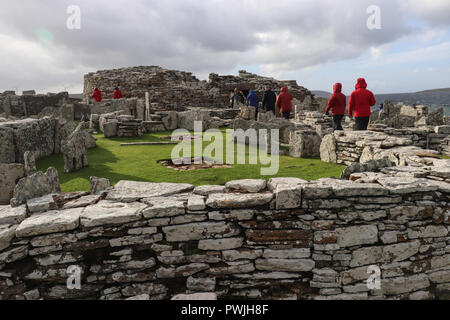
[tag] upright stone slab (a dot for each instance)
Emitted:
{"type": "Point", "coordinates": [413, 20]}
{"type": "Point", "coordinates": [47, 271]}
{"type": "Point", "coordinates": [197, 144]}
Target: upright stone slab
{"type": "Point", "coordinates": [35, 186]}
{"type": "Point", "coordinates": [9, 175]}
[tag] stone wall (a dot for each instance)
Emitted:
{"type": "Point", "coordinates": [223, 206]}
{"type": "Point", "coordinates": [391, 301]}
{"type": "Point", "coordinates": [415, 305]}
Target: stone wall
{"type": "Point", "coordinates": [347, 147]}
{"type": "Point", "coordinates": [178, 90]}
{"type": "Point", "coordinates": [37, 135]}
{"type": "Point", "coordinates": [285, 239]}
{"type": "Point", "coordinates": [36, 105]}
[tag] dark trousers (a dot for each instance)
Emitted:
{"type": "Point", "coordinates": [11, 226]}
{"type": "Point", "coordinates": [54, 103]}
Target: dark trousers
{"type": "Point", "coordinates": [286, 114]}
{"type": "Point", "coordinates": [362, 123]}
{"type": "Point", "coordinates": [337, 122]}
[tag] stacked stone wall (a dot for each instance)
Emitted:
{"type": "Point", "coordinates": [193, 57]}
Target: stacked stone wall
{"type": "Point", "coordinates": [285, 239]}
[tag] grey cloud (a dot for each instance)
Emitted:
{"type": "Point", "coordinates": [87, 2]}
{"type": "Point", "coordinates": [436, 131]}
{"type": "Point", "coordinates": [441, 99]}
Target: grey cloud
{"type": "Point", "coordinates": [193, 35]}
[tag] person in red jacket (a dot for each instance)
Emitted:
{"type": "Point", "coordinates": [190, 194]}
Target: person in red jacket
{"type": "Point", "coordinates": [337, 104]}
{"type": "Point", "coordinates": [284, 102]}
{"type": "Point", "coordinates": [359, 105]}
{"type": "Point", "coordinates": [97, 95]}
{"type": "Point", "coordinates": [117, 93]}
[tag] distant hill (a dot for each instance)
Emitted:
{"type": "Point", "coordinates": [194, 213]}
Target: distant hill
{"type": "Point", "coordinates": [435, 90]}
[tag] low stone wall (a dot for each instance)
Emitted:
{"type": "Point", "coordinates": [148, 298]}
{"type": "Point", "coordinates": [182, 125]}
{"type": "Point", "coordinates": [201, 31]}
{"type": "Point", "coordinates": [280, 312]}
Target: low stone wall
{"type": "Point", "coordinates": [347, 147]}
{"type": "Point", "coordinates": [36, 105]}
{"type": "Point", "coordinates": [285, 239]}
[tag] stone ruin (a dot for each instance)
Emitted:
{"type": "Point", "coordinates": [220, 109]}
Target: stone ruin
{"type": "Point", "coordinates": [74, 150]}
{"type": "Point", "coordinates": [26, 141]}
{"type": "Point", "coordinates": [177, 90]}
{"type": "Point", "coordinates": [401, 116]}
{"type": "Point", "coordinates": [31, 105]}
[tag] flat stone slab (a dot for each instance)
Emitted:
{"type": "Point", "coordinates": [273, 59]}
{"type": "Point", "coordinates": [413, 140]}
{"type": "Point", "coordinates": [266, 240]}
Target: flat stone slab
{"type": "Point", "coordinates": [346, 188]}
{"type": "Point", "coordinates": [129, 191]}
{"type": "Point", "coordinates": [247, 185]}
{"type": "Point", "coordinates": [7, 233]}
{"type": "Point", "coordinates": [220, 244]}
{"type": "Point", "coordinates": [9, 215]}
{"type": "Point", "coordinates": [196, 203]}
{"type": "Point", "coordinates": [111, 213]}
{"type": "Point", "coordinates": [357, 235]}
{"type": "Point", "coordinates": [275, 182]}
{"type": "Point", "coordinates": [82, 202]}
{"type": "Point", "coordinates": [41, 204]}
{"type": "Point", "coordinates": [50, 222]}
{"type": "Point", "coordinates": [207, 190]}
{"type": "Point", "coordinates": [161, 208]}
{"type": "Point", "coordinates": [286, 265]}
{"type": "Point", "coordinates": [236, 200]}
{"type": "Point", "coordinates": [405, 185]}
{"type": "Point", "coordinates": [201, 230]}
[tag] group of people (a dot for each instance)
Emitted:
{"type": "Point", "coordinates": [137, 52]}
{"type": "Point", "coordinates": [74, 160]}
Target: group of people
{"type": "Point", "coordinates": [360, 103]}
{"type": "Point", "coordinates": [97, 94]}
{"type": "Point", "coordinates": [279, 105]}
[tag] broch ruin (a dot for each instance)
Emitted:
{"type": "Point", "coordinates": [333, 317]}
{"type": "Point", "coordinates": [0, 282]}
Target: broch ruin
{"type": "Point", "coordinates": [285, 238]}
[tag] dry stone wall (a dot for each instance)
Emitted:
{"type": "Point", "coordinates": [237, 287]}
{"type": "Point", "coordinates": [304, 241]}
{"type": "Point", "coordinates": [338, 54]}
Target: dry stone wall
{"type": "Point", "coordinates": [32, 105]}
{"type": "Point", "coordinates": [282, 239]}
{"type": "Point", "coordinates": [178, 90]}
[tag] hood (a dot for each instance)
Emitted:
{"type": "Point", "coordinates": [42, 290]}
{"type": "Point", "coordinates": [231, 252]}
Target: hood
{"type": "Point", "coordinates": [361, 83]}
{"type": "Point", "coordinates": [337, 88]}
{"type": "Point", "coordinates": [252, 92]}
{"type": "Point", "coordinates": [283, 89]}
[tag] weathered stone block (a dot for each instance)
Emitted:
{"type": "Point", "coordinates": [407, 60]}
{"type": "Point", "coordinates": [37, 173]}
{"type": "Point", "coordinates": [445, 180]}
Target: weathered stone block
{"type": "Point", "coordinates": [357, 235]}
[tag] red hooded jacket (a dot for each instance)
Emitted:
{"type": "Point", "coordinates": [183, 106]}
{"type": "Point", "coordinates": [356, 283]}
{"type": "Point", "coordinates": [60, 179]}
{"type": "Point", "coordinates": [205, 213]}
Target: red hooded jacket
{"type": "Point", "coordinates": [97, 95]}
{"type": "Point", "coordinates": [117, 94]}
{"type": "Point", "coordinates": [337, 102]}
{"type": "Point", "coordinates": [361, 100]}
{"type": "Point", "coordinates": [284, 100]}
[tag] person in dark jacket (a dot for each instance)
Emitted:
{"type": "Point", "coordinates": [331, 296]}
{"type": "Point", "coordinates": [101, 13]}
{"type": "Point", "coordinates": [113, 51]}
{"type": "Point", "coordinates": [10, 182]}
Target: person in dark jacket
{"type": "Point", "coordinates": [284, 102]}
{"type": "Point", "coordinates": [336, 105]}
{"type": "Point", "coordinates": [238, 98]}
{"type": "Point", "coordinates": [269, 100]}
{"type": "Point", "coordinates": [253, 101]}
{"type": "Point", "coordinates": [359, 104]}
{"type": "Point", "coordinates": [117, 93]}
{"type": "Point", "coordinates": [97, 95]}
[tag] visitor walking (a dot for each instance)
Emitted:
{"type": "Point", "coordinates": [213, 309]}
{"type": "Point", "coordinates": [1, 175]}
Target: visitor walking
{"type": "Point", "coordinates": [253, 101]}
{"type": "Point", "coordinates": [238, 99]}
{"type": "Point", "coordinates": [359, 105]}
{"type": "Point", "coordinates": [97, 95]}
{"type": "Point", "coordinates": [336, 105]}
{"type": "Point", "coordinates": [284, 102]}
{"type": "Point", "coordinates": [117, 93]}
{"type": "Point", "coordinates": [269, 100]}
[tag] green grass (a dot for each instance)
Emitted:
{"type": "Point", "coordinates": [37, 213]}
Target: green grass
{"type": "Point", "coordinates": [444, 157]}
{"type": "Point", "coordinates": [139, 163]}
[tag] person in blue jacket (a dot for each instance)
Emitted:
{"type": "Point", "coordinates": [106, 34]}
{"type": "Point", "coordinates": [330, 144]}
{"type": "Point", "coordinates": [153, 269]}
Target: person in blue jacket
{"type": "Point", "coordinates": [253, 101]}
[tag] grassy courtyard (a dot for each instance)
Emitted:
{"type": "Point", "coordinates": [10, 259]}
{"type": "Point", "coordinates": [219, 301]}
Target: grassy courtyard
{"type": "Point", "coordinates": [140, 163]}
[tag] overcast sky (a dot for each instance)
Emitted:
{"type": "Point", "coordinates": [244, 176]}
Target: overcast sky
{"type": "Point", "coordinates": [316, 42]}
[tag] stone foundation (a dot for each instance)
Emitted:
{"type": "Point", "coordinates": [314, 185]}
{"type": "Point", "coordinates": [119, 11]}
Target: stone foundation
{"type": "Point", "coordinates": [286, 238]}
